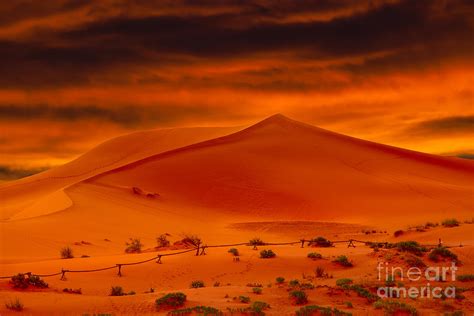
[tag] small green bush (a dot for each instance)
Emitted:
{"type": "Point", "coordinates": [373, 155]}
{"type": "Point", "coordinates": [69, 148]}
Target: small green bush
{"type": "Point", "coordinates": [66, 253]}
{"type": "Point", "coordinates": [344, 283]}
{"type": "Point", "coordinates": [442, 252]}
{"type": "Point", "coordinates": [258, 307]}
{"type": "Point", "coordinates": [320, 242]}
{"type": "Point", "coordinates": [299, 297]}
{"type": "Point", "coordinates": [15, 305]}
{"type": "Point", "coordinates": [23, 281]}
{"type": "Point", "coordinates": [244, 299]}
{"type": "Point", "coordinates": [197, 284]}
{"type": "Point", "coordinates": [395, 308]}
{"type": "Point", "coordinates": [192, 240]}
{"type": "Point", "coordinates": [116, 291]}
{"type": "Point", "coordinates": [450, 222]}
{"type": "Point", "coordinates": [414, 261]}
{"type": "Point", "coordinates": [267, 253]}
{"type": "Point", "coordinates": [320, 272]}
{"type": "Point", "coordinates": [134, 245]}
{"type": "Point", "coordinates": [256, 242]}
{"type": "Point", "coordinates": [314, 255]}
{"type": "Point", "coordinates": [465, 277]}
{"type": "Point", "coordinates": [257, 290]}
{"type": "Point", "coordinates": [280, 280]}
{"type": "Point", "coordinates": [363, 292]}
{"type": "Point", "coordinates": [163, 241]}
{"type": "Point", "coordinates": [171, 300]}
{"type": "Point", "coordinates": [198, 310]}
{"type": "Point", "coordinates": [311, 310]}
{"type": "Point", "coordinates": [343, 261]}
{"type": "Point", "coordinates": [233, 251]}
{"type": "Point", "coordinates": [294, 283]}
{"type": "Point", "coordinates": [410, 246]}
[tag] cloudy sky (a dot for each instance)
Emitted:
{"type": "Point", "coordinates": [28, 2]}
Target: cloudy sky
{"type": "Point", "coordinates": [75, 72]}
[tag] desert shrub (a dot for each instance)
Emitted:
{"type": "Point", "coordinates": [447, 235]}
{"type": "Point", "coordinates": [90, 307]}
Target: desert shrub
{"type": "Point", "coordinates": [398, 233]}
{"type": "Point", "coordinates": [36, 281]}
{"type": "Point", "coordinates": [197, 284]}
{"type": "Point", "coordinates": [343, 261]}
{"type": "Point", "coordinates": [430, 225]}
{"type": "Point", "coordinates": [320, 272]}
{"type": "Point", "coordinates": [299, 297]}
{"type": "Point", "coordinates": [171, 300]}
{"type": "Point", "coordinates": [116, 291]}
{"type": "Point", "coordinates": [414, 261]}
{"type": "Point", "coordinates": [442, 252]}
{"type": "Point", "coordinates": [344, 283]}
{"type": "Point", "coordinates": [267, 253]}
{"type": "Point", "coordinates": [256, 242]}
{"type": "Point", "coordinates": [294, 283]}
{"type": "Point", "coordinates": [390, 281]}
{"type": "Point", "coordinates": [15, 305]}
{"type": "Point", "coordinates": [257, 290]}
{"type": "Point", "coordinates": [19, 281]}
{"type": "Point", "coordinates": [66, 253]}
{"type": "Point", "coordinates": [244, 299]}
{"type": "Point", "coordinates": [363, 292]}
{"type": "Point", "coordinates": [320, 242]}
{"type": "Point", "coordinates": [23, 281]}
{"type": "Point", "coordinates": [395, 308]}
{"type": "Point", "coordinates": [450, 222]}
{"type": "Point", "coordinates": [411, 246]}
{"type": "Point", "coordinates": [198, 310]}
{"type": "Point", "coordinates": [280, 280]}
{"type": "Point", "coordinates": [258, 307]}
{"type": "Point", "coordinates": [192, 240]}
{"type": "Point", "coordinates": [233, 251]}
{"type": "Point", "coordinates": [465, 277]}
{"type": "Point", "coordinates": [134, 245]}
{"type": "Point", "coordinates": [163, 241]}
{"type": "Point", "coordinates": [217, 284]}
{"type": "Point", "coordinates": [311, 310]}
{"type": "Point", "coordinates": [314, 255]}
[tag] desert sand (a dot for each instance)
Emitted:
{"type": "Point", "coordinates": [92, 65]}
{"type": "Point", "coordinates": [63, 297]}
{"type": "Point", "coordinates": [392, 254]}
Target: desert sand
{"type": "Point", "coordinates": [279, 180]}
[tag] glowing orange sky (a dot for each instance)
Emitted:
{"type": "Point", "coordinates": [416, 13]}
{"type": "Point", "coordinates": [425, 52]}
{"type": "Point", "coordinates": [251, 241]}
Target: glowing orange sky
{"type": "Point", "coordinates": [75, 73]}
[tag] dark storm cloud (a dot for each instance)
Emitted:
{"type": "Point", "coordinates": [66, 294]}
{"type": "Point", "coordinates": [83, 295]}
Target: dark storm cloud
{"type": "Point", "coordinates": [12, 173]}
{"type": "Point", "coordinates": [128, 116]}
{"type": "Point", "coordinates": [434, 29]}
{"type": "Point", "coordinates": [448, 125]}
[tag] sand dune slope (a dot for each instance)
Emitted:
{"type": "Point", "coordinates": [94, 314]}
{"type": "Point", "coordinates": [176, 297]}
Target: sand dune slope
{"type": "Point", "coordinates": [283, 169]}
{"type": "Point", "coordinates": [31, 196]}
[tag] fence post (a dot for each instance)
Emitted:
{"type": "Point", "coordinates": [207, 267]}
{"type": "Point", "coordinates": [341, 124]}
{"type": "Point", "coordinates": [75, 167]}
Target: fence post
{"type": "Point", "coordinates": [302, 243]}
{"type": "Point", "coordinates": [351, 243]}
{"type": "Point", "coordinates": [63, 274]}
{"type": "Point", "coordinates": [197, 249]}
{"type": "Point", "coordinates": [158, 260]}
{"type": "Point", "coordinates": [119, 270]}
{"type": "Point", "coordinates": [203, 251]}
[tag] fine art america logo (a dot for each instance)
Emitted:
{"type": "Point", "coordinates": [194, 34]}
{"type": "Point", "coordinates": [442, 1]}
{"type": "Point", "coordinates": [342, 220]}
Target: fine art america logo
{"type": "Point", "coordinates": [394, 278]}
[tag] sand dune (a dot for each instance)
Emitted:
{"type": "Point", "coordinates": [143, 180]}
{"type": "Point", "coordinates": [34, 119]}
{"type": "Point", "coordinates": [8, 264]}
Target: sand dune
{"type": "Point", "coordinates": [28, 195]}
{"type": "Point", "coordinates": [279, 179]}
{"type": "Point", "coordinates": [283, 169]}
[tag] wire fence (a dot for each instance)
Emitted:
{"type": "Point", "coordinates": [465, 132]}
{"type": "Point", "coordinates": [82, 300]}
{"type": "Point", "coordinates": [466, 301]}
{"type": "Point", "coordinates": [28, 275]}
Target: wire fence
{"type": "Point", "coordinates": [201, 250]}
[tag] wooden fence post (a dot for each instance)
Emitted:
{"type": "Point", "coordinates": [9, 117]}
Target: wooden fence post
{"type": "Point", "coordinates": [63, 274]}
{"type": "Point", "coordinates": [351, 243]}
{"type": "Point", "coordinates": [203, 251]}
{"type": "Point", "coordinates": [197, 249]}
{"type": "Point", "coordinates": [119, 266]}
{"type": "Point", "coordinates": [302, 243]}
{"type": "Point", "coordinates": [158, 260]}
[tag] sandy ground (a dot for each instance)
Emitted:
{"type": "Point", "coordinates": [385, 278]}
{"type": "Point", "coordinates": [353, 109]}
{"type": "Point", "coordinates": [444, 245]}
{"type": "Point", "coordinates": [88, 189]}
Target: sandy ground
{"type": "Point", "coordinates": [279, 180]}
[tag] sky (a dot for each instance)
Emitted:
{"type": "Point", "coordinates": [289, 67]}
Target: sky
{"type": "Point", "coordinates": [75, 73]}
